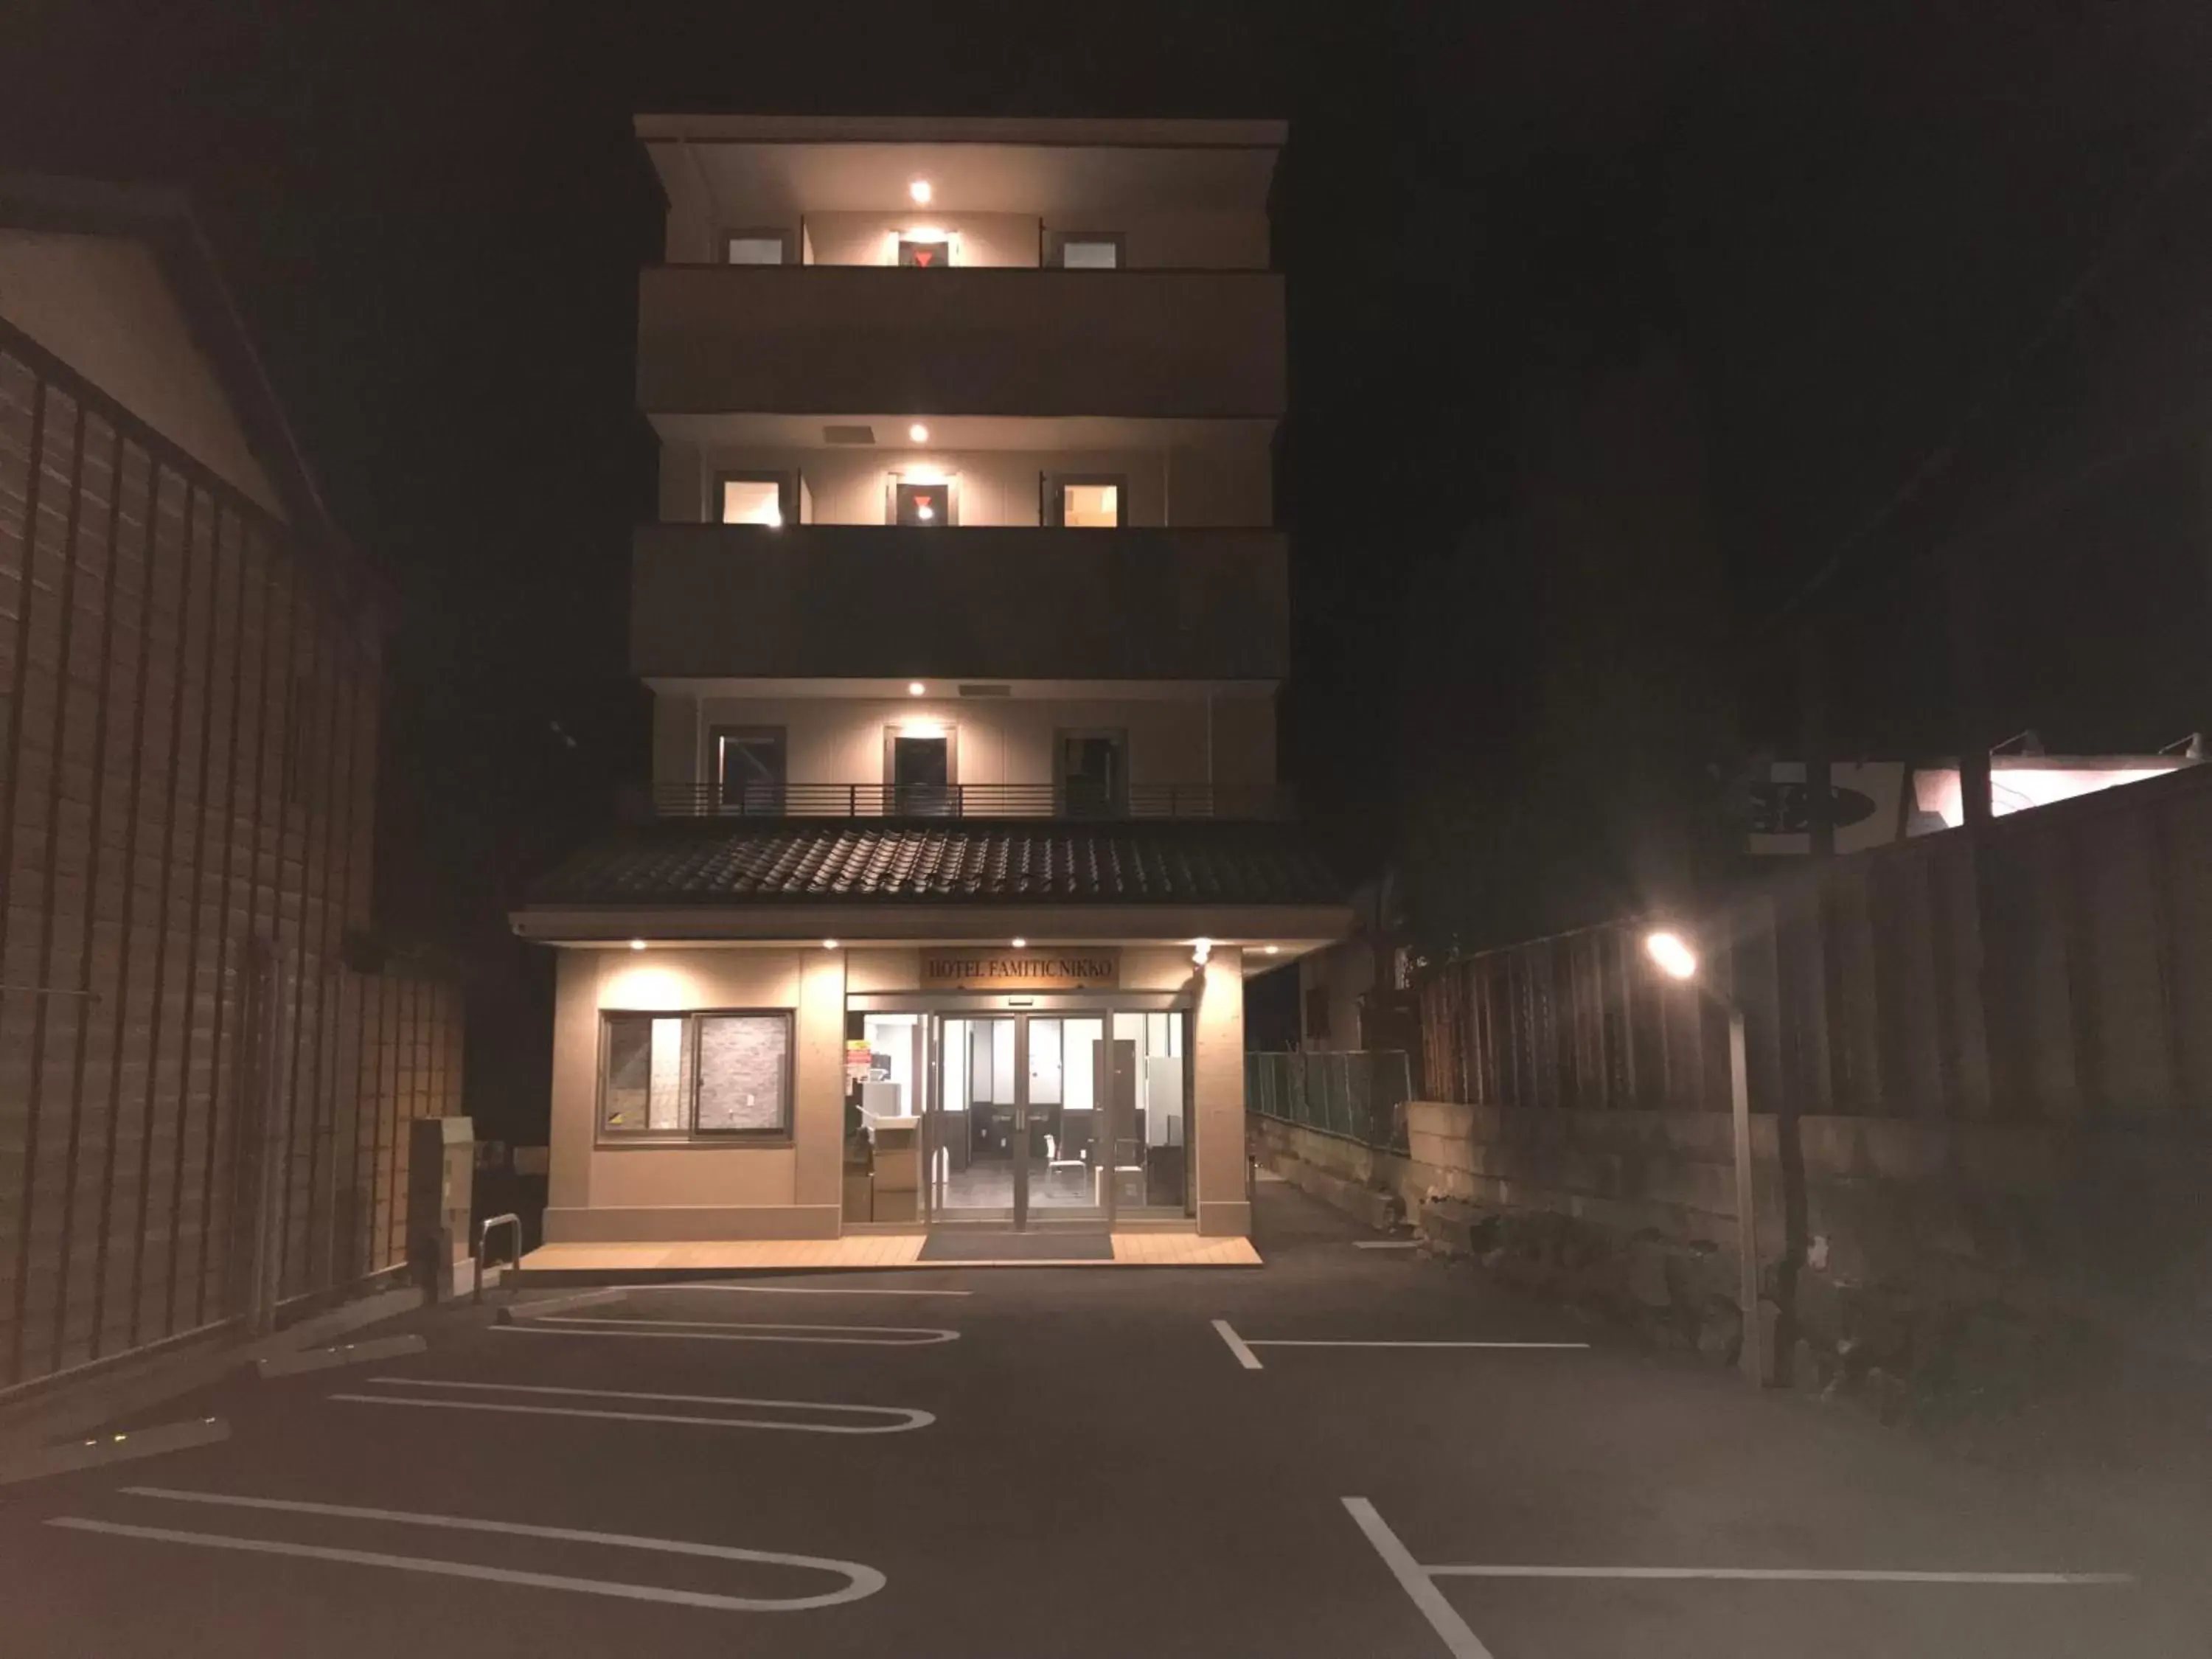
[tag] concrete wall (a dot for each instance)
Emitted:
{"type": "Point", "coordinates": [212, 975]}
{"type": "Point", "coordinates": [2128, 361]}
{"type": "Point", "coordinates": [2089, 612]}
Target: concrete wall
{"type": "Point", "coordinates": [600, 1193]}
{"type": "Point", "coordinates": [1220, 486]}
{"type": "Point", "coordinates": [826, 601]}
{"type": "Point", "coordinates": [858, 340]}
{"type": "Point", "coordinates": [101, 305]}
{"type": "Point", "coordinates": [840, 740]}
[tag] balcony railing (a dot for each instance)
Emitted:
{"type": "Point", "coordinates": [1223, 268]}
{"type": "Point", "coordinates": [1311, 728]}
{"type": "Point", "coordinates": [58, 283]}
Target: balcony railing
{"type": "Point", "coordinates": [972, 800]}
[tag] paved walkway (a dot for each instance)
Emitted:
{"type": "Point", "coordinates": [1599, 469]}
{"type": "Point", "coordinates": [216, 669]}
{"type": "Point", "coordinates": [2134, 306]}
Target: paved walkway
{"type": "Point", "coordinates": [856, 1252]}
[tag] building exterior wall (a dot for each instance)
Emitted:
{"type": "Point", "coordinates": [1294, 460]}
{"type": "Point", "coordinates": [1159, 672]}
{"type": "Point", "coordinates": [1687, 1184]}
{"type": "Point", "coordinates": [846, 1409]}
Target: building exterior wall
{"type": "Point", "coordinates": [100, 303]}
{"type": "Point", "coordinates": [744, 1191]}
{"type": "Point", "coordinates": [1009, 740]}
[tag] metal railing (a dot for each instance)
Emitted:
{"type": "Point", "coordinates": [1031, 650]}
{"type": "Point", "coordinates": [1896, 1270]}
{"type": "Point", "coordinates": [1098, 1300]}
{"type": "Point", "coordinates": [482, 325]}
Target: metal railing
{"type": "Point", "coordinates": [1357, 1094]}
{"type": "Point", "coordinates": [483, 1245]}
{"type": "Point", "coordinates": [971, 800]}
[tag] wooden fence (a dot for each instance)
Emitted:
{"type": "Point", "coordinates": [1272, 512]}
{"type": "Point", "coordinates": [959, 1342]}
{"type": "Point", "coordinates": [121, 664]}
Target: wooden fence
{"type": "Point", "coordinates": [2059, 970]}
{"type": "Point", "coordinates": [201, 1108]}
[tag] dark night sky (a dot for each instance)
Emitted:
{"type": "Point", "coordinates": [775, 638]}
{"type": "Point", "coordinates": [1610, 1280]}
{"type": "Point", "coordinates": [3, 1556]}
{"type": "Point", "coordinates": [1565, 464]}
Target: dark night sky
{"type": "Point", "coordinates": [1833, 235]}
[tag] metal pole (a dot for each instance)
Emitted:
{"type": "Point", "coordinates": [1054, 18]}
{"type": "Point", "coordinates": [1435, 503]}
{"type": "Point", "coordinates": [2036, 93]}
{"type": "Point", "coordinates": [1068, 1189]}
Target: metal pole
{"type": "Point", "coordinates": [1747, 1231]}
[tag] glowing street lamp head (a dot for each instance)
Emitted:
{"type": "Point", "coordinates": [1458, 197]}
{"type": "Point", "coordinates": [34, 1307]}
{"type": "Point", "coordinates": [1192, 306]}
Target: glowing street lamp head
{"type": "Point", "coordinates": [1672, 955]}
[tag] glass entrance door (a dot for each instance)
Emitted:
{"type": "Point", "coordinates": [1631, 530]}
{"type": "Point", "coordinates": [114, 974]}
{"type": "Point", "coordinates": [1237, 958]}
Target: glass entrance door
{"type": "Point", "coordinates": [1015, 1132]}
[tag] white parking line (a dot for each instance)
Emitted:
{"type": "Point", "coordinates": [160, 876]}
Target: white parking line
{"type": "Point", "coordinates": [105, 1448]}
{"type": "Point", "coordinates": [798, 1290]}
{"type": "Point", "coordinates": [1237, 1346]}
{"type": "Point", "coordinates": [353, 1353]}
{"type": "Point", "coordinates": [1418, 1581]}
{"type": "Point", "coordinates": [714, 1330]}
{"type": "Point", "coordinates": [1816, 1575]}
{"type": "Point", "coordinates": [1415, 1580]}
{"type": "Point", "coordinates": [860, 1581]}
{"type": "Point", "coordinates": [907, 1417]}
{"type": "Point", "coordinates": [1302, 1342]}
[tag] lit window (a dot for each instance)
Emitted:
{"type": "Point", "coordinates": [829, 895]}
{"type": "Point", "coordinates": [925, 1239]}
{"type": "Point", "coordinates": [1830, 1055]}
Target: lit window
{"type": "Point", "coordinates": [1091, 506]}
{"type": "Point", "coordinates": [1091, 252]}
{"type": "Point", "coordinates": [755, 247]}
{"type": "Point", "coordinates": [696, 1076]}
{"type": "Point", "coordinates": [752, 501]}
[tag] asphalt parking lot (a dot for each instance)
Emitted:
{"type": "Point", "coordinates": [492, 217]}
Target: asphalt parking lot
{"type": "Point", "coordinates": [1067, 1461]}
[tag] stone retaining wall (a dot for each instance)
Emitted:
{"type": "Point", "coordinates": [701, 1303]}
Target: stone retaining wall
{"type": "Point", "coordinates": [1923, 1260]}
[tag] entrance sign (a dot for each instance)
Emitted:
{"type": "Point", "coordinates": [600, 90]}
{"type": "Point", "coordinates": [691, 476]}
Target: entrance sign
{"type": "Point", "coordinates": [1091, 968]}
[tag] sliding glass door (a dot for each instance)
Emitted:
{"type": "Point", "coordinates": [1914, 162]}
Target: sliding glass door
{"type": "Point", "coordinates": [1046, 1119]}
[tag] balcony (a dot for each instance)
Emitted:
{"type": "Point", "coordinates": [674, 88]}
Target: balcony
{"type": "Point", "coordinates": [846, 339]}
{"type": "Point", "coordinates": [1247, 801]}
{"type": "Point", "coordinates": [864, 601]}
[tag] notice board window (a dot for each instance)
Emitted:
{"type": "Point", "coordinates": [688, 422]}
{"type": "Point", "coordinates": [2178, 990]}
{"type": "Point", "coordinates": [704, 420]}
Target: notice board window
{"type": "Point", "coordinates": [696, 1078]}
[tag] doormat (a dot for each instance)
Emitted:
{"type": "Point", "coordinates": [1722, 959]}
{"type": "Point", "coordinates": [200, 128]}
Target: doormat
{"type": "Point", "coordinates": [1017, 1247]}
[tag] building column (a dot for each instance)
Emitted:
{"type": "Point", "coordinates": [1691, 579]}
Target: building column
{"type": "Point", "coordinates": [1224, 1209]}
{"type": "Point", "coordinates": [817, 1091]}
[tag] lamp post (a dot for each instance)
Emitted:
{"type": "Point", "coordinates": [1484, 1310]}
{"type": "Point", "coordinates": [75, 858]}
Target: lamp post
{"type": "Point", "coordinates": [1675, 958]}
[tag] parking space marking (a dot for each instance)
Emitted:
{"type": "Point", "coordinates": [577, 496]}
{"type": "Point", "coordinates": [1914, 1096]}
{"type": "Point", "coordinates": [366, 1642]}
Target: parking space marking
{"type": "Point", "coordinates": [352, 1353]}
{"type": "Point", "coordinates": [1237, 1346]}
{"type": "Point", "coordinates": [1415, 1580]}
{"type": "Point", "coordinates": [101, 1449]}
{"type": "Point", "coordinates": [860, 1581]}
{"type": "Point", "coordinates": [800, 1290]}
{"type": "Point", "coordinates": [715, 1330]}
{"type": "Point", "coordinates": [1759, 1575]}
{"type": "Point", "coordinates": [1418, 1580]}
{"type": "Point", "coordinates": [906, 1417]}
{"type": "Point", "coordinates": [1242, 1346]}
{"type": "Point", "coordinates": [515, 1310]}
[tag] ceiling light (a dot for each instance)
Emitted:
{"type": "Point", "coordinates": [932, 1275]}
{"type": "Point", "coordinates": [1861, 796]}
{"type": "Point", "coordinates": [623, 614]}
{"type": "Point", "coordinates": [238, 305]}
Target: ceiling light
{"type": "Point", "coordinates": [915, 688]}
{"type": "Point", "coordinates": [1274, 950]}
{"type": "Point", "coordinates": [637, 944]}
{"type": "Point", "coordinates": [828, 944]}
{"type": "Point", "coordinates": [918, 433]}
{"type": "Point", "coordinates": [1200, 950]}
{"type": "Point", "coordinates": [921, 191]}
{"type": "Point", "coordinates": [1021, 944]}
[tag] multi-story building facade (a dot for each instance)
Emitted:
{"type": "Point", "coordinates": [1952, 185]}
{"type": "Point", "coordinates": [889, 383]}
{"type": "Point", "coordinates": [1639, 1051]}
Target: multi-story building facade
{"type": "Point", "coordinates": [203, 1094]}
{"type": "Point", "coordinates": [964, 620]}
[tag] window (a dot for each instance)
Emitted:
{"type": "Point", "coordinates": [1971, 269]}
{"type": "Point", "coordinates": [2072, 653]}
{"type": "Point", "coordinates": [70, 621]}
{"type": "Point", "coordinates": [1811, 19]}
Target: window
{"type": "Point", "coordinates": [923, 503]}
{"type": "Point", "coordinates": [696, 1077]}
{"type": "Point", "coordinates": [1099, 501]}
{"type": "Point", "coordinates": [749, 769]}
{"type": "Point", "coordinates": [1091, 769]}
{"type": "Point", "coordinates": [767, 498]}
{"type": "Point", "coordinates": [918, 764]}
{"type": "Point", "coordinates": [1089, 250]}
{"type": "Point", "coordinates": [756, 248]}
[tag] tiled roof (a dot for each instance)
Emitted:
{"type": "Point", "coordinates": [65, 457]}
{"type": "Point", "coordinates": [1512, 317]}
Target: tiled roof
{"type": "Point", "coordinates": [968, 861]}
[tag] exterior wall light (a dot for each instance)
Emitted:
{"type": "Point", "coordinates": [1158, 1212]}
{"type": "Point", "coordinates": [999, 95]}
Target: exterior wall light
{"type": "Point", "coordinates": [1200, 950]}
{"type": "Point", "coordinates": [637, 944]}
{"type": "Point", "coordinates": [921, 191]}
{"type": "Point", "coordinates": [918, 433]}
{"type": "Point", "coordinates": [1672, 954]}
{"type": "Point", "coordinates": [1021, 944]}
{"type": "Point", "coordinates": [828, 944]}
{"type": "Point", "coordinates": [915, 688]}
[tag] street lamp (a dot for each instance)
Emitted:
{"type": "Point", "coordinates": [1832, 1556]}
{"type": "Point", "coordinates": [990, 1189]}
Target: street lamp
{"type": "Point", "coordinates": [1677, 959]}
